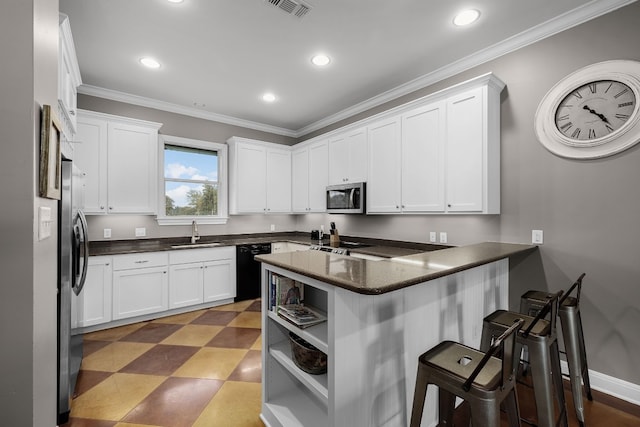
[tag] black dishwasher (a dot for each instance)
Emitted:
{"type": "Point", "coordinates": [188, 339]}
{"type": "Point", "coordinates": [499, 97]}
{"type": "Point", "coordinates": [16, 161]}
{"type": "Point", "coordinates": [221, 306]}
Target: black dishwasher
{"type": "Point", "coordinates": [248, 270]}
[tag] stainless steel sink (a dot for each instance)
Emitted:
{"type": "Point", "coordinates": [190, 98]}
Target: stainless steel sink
{"type": "Point", "coordinates": [196, 245]}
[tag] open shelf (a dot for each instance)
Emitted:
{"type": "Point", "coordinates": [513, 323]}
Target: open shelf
{"type": "Point", "coordinates": [316, 383]}
{"type": "Point", "coordinates": [315, 335]}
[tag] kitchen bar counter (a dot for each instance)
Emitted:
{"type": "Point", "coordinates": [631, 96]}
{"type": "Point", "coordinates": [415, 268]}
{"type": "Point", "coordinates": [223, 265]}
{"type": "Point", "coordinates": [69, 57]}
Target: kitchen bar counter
{"type": "Point", "coordinates": [377, 277]}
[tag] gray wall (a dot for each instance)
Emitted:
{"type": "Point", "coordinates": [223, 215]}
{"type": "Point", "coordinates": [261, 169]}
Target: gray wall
{"type": "Point", "coordinates": [29, 48]}
{"type": "Point", "coordinates": [588, 210]}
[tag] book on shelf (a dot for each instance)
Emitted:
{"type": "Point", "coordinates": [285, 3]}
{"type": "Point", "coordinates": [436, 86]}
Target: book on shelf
{"type": "Point", "coordinates": [300, 315]}
{"type": "Point", "coordinates": [284, 290]}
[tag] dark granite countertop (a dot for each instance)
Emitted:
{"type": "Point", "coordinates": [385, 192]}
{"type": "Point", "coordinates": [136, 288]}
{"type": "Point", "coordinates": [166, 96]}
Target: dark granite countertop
{"type": "Point", "coordinates": [376, 277]}
{"type": "Point", "coordinates": [377, 247]}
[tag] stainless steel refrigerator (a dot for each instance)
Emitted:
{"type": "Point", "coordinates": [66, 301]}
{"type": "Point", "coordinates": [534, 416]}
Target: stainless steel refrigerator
{"type": "Point", "coordinates": [72, 269]}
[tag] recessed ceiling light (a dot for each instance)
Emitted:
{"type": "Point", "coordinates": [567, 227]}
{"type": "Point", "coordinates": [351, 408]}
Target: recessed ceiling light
{"type": "Point", "coordinates": [149, 62]}
{"type": "Point", "coordinates": [320, 60]}
{"type": "Point", "coordinates": [268, 97]}
{"type": "Point", "coordinates": [466, 17]}
{"type": "Point", "coordinates": [175, 1]}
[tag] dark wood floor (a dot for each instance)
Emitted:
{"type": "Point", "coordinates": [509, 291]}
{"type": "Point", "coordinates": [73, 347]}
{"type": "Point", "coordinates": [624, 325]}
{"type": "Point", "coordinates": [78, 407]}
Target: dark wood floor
{"type": "Point", "coordinates": [603, 411]}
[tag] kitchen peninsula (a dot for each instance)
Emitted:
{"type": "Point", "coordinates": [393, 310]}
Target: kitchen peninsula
{"type": "Point", "coordinates": [381, 315]}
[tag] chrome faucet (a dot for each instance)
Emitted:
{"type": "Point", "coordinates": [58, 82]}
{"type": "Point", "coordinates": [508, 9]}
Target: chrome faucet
{"type": "Point", "coordinates": [195, 236]}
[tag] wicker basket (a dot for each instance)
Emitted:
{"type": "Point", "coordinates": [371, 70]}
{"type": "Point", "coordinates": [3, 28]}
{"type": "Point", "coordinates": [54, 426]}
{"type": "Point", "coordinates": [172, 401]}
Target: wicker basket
{"type": "Point", "coordinates": [307, 357]}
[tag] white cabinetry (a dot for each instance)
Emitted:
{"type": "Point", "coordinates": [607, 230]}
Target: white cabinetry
{"type": "Point", "coordinates": [68, 78]}
{"type": "Point", "coordinates": [441, 157]}
{"type": "Point", "coordinates": [201, 275]}
{"type": "Point", "coordinates": [384, 185]}
{"type": "Point", "coordinates": [93, 305]}
{"type": "Point", "coordinates": [259, 177]}
{"type": "Point", "coordinates": [348, 157]}
{"type": "Point", "coordinates": [140, 284]}
{"type": "Point", "coordinates": [423, 148]}
{"type": "Point", "coordinates": [406, 162]}
{"type": "Point", "coordinates": [281, 247]}
{"type": "Point", "coordinates": [119, 157]}
{"type": "Point", "coordinates": [310, 177]}
{"type": "Point", "coordinates": [473, 151]}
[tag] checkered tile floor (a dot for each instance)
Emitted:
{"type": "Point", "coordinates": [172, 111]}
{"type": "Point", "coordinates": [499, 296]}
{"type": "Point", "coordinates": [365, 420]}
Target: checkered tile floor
{"type": "Point", "coordinates": [201, 368]}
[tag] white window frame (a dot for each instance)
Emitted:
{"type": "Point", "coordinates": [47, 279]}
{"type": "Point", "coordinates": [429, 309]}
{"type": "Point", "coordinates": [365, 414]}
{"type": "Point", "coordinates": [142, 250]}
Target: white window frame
{"type": "Point", "coordinates": [223, 183]}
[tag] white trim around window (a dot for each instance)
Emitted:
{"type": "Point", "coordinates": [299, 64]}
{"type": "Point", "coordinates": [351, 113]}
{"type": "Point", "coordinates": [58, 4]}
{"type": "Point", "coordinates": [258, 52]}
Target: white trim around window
{"type": "Point", "coordinates": [223, 184]}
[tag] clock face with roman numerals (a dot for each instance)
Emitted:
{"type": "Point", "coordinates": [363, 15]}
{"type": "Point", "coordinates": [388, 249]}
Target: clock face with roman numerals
{"type": "Point", "coordinates": [592, 112]}
{"type": "Point", "coordinates": [595, 110]}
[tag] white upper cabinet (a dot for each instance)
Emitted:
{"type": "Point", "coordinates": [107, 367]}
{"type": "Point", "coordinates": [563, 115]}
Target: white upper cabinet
{"type": "Point", "coordinates": [473, 152]}
{"type": "Point", "coordinates": [119, 157]}
{"type": "Point", "coordinates": [310, 177]}
{"type": "Point", "coordinates": [259, 177]}
{"type": "Point", "coordinates": [438, 157]}
{"type": "Point", "coordinates": [278, 180]}
{"type": "Point", "coordinates": [406, 162]}
{"type": "Point", "coordinates": [68, 79]}
{"type": "Point", "coordinates": [348, 157]}
{"type": "Point", "coordinates": [384, 187]}
{"type": "Point", "coordinates": [423, 147]}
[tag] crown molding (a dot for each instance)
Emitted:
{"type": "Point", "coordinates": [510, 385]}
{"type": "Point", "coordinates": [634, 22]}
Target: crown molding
{"type": "Point", "coordinates": [560, 23]}
{"type": "Point", "coordinates": [142, 101]}
{"type": "Point", "coordinates": [563, 22]}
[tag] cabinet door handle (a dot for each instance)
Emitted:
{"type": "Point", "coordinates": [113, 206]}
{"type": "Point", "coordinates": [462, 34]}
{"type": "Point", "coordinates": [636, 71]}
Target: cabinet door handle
{"type": "Point", "coordinates": [142, 261]}
{"type": "Point", "coordinates": [101, 208]}
{"type": "Point", "coordinates": [110, 208]}
{"type": "Point", "coordinates": [72, 112]}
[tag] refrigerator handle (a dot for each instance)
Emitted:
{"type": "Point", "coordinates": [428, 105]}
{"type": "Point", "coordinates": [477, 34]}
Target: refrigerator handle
{"type": "Point", "coordinates": [85, 253]}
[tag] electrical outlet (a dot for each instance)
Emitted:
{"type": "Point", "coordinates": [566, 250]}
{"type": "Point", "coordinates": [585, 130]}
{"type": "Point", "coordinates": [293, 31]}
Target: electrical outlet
{"type": "Point", "coordinates": [432, 237]}
{"type": "Point", "coordinates": [273, 227]}
{"type": "Point", "coordinates": [141, 232]}
{"type": "Point", "coordinates": [107, 233]}
{"type": "Point", "coordinates": [536, 237]}
{"type": "Point", "coordinates": [443, 237]}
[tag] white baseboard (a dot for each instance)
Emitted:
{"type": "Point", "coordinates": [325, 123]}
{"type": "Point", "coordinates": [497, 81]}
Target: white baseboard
{"type": "Point", "coordinates": [610, 385]}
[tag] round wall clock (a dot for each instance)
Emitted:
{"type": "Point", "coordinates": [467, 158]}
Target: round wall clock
{"type": "Point", "coordinates": [592, 112]}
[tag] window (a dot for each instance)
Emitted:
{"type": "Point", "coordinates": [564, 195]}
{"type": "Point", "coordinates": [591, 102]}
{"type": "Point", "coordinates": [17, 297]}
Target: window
{"type": "Point", "coordinates": [193, 183]}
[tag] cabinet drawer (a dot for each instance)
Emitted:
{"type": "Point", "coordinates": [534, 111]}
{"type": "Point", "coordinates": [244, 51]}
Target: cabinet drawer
{"type": "Point", "coordinates": [183, 256]}
{"type": "Point", "coordinates": [142, 260]}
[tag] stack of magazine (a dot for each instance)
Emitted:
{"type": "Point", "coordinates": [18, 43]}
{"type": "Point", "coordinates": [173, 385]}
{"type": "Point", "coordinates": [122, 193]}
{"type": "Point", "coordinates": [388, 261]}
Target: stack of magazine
{"type": "Point", "coordinates": [287, 300]}
{"type": "Point", "coordinates": [300, 315]}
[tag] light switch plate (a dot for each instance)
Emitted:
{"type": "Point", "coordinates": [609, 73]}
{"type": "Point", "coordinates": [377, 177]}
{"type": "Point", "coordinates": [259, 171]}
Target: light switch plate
{"type": "Point", "coordinates": [273, 227]}
{"type": "Point", "coordinates": [107, 233]}
{"type": "Point", "coordinates": [432, 237]}
{"type": "Point", "coordinates": [536, 237]}
{"type": "Point", "coordinates": [443, 237]}
{"type": "Point", "coordinates": [44, 223]}
{"type": "Point", "coordinates": [141, 232]}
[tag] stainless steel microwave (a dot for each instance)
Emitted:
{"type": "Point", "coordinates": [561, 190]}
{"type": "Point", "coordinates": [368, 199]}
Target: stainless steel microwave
{"type": "Point", "coordinates": [346, 198]}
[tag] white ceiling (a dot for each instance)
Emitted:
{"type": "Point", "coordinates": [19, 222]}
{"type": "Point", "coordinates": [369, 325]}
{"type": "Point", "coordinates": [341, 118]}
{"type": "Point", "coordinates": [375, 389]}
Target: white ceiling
{"type": "Point", "coordinates": [226, 53]}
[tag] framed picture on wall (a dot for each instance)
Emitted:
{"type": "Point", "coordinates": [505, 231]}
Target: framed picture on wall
{"type": "Point", "coordinates": [49, 154]}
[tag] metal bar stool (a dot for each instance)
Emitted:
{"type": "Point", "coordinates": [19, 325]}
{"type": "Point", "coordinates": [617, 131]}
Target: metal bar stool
{"type": "Point", "coordinates": [539, 335]}
{"type": "Point", "coordinates": [479, 378]}
{"type": "Point", "coordinates": [571, 322]}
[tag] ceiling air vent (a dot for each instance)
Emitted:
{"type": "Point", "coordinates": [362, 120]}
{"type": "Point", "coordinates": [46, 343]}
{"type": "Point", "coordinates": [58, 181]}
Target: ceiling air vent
{"type": "Point", "coordinates": [292, 7]}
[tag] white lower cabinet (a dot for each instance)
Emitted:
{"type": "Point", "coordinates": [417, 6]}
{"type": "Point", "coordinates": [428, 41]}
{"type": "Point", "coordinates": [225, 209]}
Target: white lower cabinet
{"type": "Point", "coordinates": [185, 284]}
{"type": "Point", "coordinates": [281, 247]}
{"type": "Point", "coordinates": [201, 275]}
{"type": "Point", "coordinates": [93, 305]}
{"type": "Point", "coordinates": [140, 284]}
{"type": "Point", "coordinates": [219, 279]}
